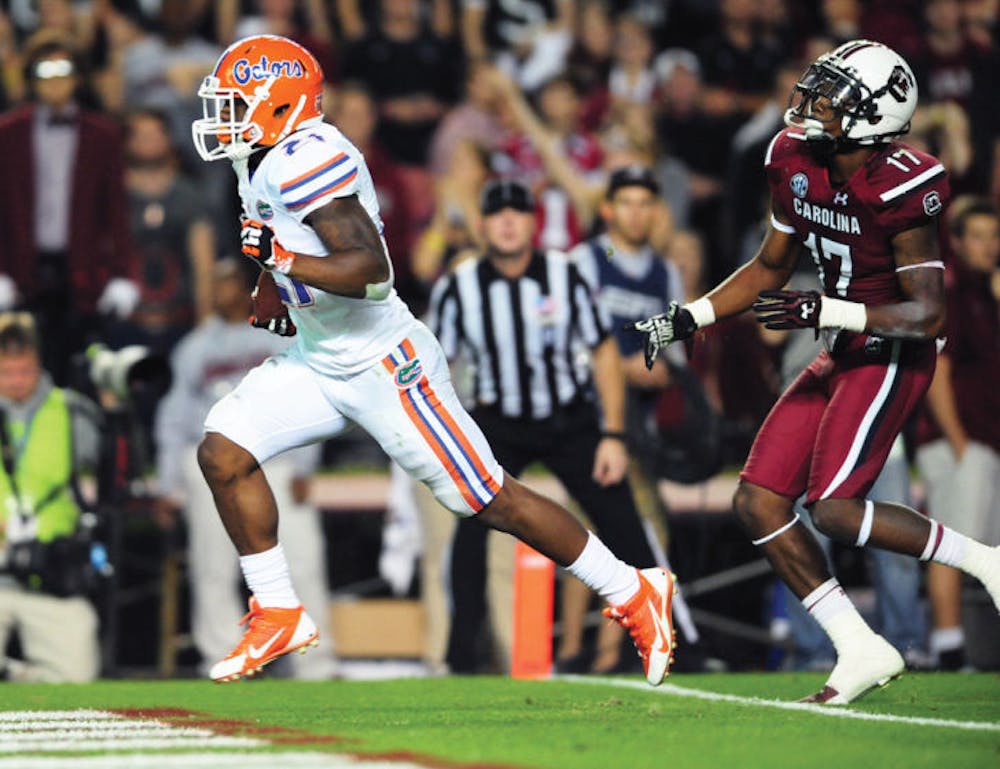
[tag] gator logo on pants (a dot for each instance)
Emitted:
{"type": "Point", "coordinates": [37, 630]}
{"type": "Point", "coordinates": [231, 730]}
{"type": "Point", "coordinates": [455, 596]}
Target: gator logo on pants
{"type": "Point", "coordinates": [409, 374]}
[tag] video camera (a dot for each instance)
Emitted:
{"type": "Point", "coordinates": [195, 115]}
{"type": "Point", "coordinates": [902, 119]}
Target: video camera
{"type": "Point", "coordinates": [131, 373]}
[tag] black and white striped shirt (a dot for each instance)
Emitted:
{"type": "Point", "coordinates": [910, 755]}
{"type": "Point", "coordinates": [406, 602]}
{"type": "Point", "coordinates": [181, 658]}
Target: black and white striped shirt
{"type": "Point", "coordinates": [523, 335]}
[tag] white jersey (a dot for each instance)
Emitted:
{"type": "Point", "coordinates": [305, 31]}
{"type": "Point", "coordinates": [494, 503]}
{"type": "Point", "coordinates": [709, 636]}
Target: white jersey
{"type": "Point", "coordinates": [337, 335]}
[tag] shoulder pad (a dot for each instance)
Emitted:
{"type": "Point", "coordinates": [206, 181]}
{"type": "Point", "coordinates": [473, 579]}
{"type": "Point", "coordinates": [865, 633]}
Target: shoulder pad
{"type": "Point", "coordinates": [787, 143]}
{"type": "Point", "coordinates": [900, 170]}
{"type": "Point", "coordinates": [311, 165]}
{"type": "Point", "coordinates": [908, 187]}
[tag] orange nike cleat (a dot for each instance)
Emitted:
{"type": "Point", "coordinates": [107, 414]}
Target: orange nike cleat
{"type": "Point", "coordinates": [270, 633]}
{"type": "Point", "coordinates": [647, 616]}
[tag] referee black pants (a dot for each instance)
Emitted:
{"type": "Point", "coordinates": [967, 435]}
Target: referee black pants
{"type": "Point", "coordinates": [566, 447]}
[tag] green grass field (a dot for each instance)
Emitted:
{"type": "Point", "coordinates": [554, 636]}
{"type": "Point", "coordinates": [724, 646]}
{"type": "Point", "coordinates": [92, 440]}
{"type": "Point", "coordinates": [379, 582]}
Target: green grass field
{"type": "Point", "coordinates": [578, 724]}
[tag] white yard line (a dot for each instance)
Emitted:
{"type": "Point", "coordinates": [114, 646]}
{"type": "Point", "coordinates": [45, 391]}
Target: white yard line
{"type": "Point", "coordinates": [27, 733]}
{"type": "Point", "coordinates": [206, 761]}
{"type": "Point", "coordinates": [15, 744]}
{"type": "Point", "coordinates": [26, 724]}
{"type": "Point", "coordinates": [830, 711]}
{"type": "Point", "coordinates": [130, 731]}
{"type": "Point", "coordinates": [58, 715]}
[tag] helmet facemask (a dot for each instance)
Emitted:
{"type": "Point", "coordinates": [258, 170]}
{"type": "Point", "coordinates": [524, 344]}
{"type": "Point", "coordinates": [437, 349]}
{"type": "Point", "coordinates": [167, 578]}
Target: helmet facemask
{"type": "Point", "coordinates": [229, 118]}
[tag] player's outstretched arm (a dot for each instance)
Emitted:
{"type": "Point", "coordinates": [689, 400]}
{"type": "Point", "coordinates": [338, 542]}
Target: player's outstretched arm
{"type": "Point", "coordinates": [356, 264]}
{"type": "Point", "coordinates": [920, 271]}
{"type": "Point", "coordinates": [770, 268]}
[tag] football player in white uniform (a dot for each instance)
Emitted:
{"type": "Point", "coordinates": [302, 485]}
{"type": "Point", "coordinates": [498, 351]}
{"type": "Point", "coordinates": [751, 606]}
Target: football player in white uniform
{"type": "Point", "coordinates": [311, 218]}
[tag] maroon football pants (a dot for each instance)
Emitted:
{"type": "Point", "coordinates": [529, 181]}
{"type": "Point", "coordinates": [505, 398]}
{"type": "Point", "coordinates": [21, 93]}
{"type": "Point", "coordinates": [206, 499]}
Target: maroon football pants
{"type": "Point", "coordinates": [831, 431]}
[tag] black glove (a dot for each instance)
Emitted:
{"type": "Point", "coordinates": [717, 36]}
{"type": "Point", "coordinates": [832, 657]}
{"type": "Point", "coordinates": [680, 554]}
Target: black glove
{"type": "Point", "coordinates": [282, 326]}
{"type": "Point", "coordinates": [675, 324]}
{"type": "Point", "coordinates": [788, 309]}
{"type": "Point", "coordinates": [258, 243]}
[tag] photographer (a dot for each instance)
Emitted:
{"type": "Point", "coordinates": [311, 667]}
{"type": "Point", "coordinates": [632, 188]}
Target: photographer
{"type": "Point", "coordinates": [46, 435]}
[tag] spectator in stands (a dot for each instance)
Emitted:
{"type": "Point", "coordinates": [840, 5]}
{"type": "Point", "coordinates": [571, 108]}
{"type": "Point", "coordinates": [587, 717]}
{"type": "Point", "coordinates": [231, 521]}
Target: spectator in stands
{"type": "Point", "coordinates": [841, 21]}
{"type": "Point", "coordinates": [746, 193]}
{"type": "Point", "coordinates": [411, 73]}
{"type": "Point", "coordinates": [354, 17]}
{"type": "Point", "coordinates": [945, 68]}
{"type": "Point", "coordinates": [737, 65]}
{"type": "Point", "coordinates": [589, 60]}
{"type": "Point", "coordinates": [550, 151]}
{"type": "Point", "coordinates": [955, 72]}
{"type": "Point", "coordinates": [453, 232]}
{"type": "Point", "coordinates": [63, 210]}
{"type": "Point", "coordinates": [528, 40]}
{"type": "Point", "coordinates": [173, 235]}
{"type": "Point", "coordinates": [691, 135]}
{"type": "Point", "coordinates": [630, 138]}
{"type": "Point", "coordinates": [162, 70]}
{"type": "Point", "coordinates": [687, 254]}
{"type": "Point", "coordinates": [943, 128]}
{"type": "Point", "coordinates": [207, 364]}
{"type": "Point", "coordinates": [353, 111]}
{"type": "Point", "coordinates": [632, 79]}
{"type": "Point", "coordinates": [980, 18]}
{"type": "Point", "coordinates": [48, 435]}
{"type": "Point", "coordinates": [304, 22]}
{"type": "Point", "coordinates": [959, 458]}
{"type": "Point", "coordinates": [736, 368]}
{"type": "Point", "coordinates": [475, 119]}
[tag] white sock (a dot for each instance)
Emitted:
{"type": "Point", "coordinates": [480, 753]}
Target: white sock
{"type": "Point", "coordinates": [946, 546]}
{"type": "Point", "coordinates": [946, 639]}
{"type": "Point", "coordinates": [833, 610]}
{"type": "Point", "coordinates": [599, 569]}
{"type": "Point", "coordinates": [268, 578]}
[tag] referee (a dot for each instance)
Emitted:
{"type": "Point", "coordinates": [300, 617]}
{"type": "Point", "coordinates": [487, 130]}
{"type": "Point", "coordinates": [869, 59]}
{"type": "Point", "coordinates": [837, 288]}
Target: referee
{"type": "Point", "coordinates": [525, 319]}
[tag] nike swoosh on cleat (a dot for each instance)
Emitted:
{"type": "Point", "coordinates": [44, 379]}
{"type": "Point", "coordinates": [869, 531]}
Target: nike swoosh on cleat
{"type": "Point", "coordinates": [660, 640]}
{"type": "Point", "coordinates": [256, 652]}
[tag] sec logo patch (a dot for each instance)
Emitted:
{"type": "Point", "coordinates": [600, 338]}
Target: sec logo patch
{"type": "Point", "coordinates": [408, 374]}
{"type": "Point", "coordinates": [800, 184]}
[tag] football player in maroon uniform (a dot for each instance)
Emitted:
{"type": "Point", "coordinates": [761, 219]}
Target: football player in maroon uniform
{"type": "Point", "coordinates": [866, 207]}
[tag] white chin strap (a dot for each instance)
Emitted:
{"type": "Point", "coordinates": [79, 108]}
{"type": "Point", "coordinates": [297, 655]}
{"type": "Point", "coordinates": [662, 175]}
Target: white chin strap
{"type": "Point", "coordinates": [239, 150]}
{"type": "Point", "coordinates": [812, 128]}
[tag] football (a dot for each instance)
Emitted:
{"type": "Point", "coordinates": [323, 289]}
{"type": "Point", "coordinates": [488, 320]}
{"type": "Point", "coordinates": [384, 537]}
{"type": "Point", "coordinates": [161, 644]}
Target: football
{"type": "Point", "coordinates": [268, 310]}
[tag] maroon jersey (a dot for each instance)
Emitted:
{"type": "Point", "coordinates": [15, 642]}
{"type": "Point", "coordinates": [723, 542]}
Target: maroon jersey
{"type": "Point", "coordinates": [849, 229]}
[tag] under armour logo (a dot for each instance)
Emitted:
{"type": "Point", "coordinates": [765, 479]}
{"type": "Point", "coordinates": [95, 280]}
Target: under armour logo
{"type": "Point", "coordinates": [806, 310]}
{"type": "Point", "coordinates": [840, 198]}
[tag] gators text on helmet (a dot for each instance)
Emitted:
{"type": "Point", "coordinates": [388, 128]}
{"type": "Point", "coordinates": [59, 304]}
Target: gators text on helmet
{"type": "Point", "coordinates": [262, 88]}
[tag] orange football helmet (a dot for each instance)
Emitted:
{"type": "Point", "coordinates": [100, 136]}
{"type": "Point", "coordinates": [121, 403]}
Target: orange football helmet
{"type": "Point", "coordinates": [263, 88]}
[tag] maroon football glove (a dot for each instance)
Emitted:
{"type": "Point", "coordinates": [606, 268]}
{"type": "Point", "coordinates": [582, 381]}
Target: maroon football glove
{"type": "Point", "coordinates": [788, 309]}
{"type": "Point", "coordinates": [268, 310]}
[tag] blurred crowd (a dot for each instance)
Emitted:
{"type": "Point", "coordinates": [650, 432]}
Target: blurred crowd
{"type": "Point", "coordinates": [114, 229]}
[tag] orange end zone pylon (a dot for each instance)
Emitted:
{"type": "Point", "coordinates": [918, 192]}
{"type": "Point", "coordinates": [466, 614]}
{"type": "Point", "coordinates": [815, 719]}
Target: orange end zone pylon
{"type": "Point", "coordinates": [534, 586]}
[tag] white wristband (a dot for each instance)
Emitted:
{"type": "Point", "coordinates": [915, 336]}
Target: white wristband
{"type": "Point", "coordinates": [838, 313]}
{"type": "Point", "coordinates": [702, 311]}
